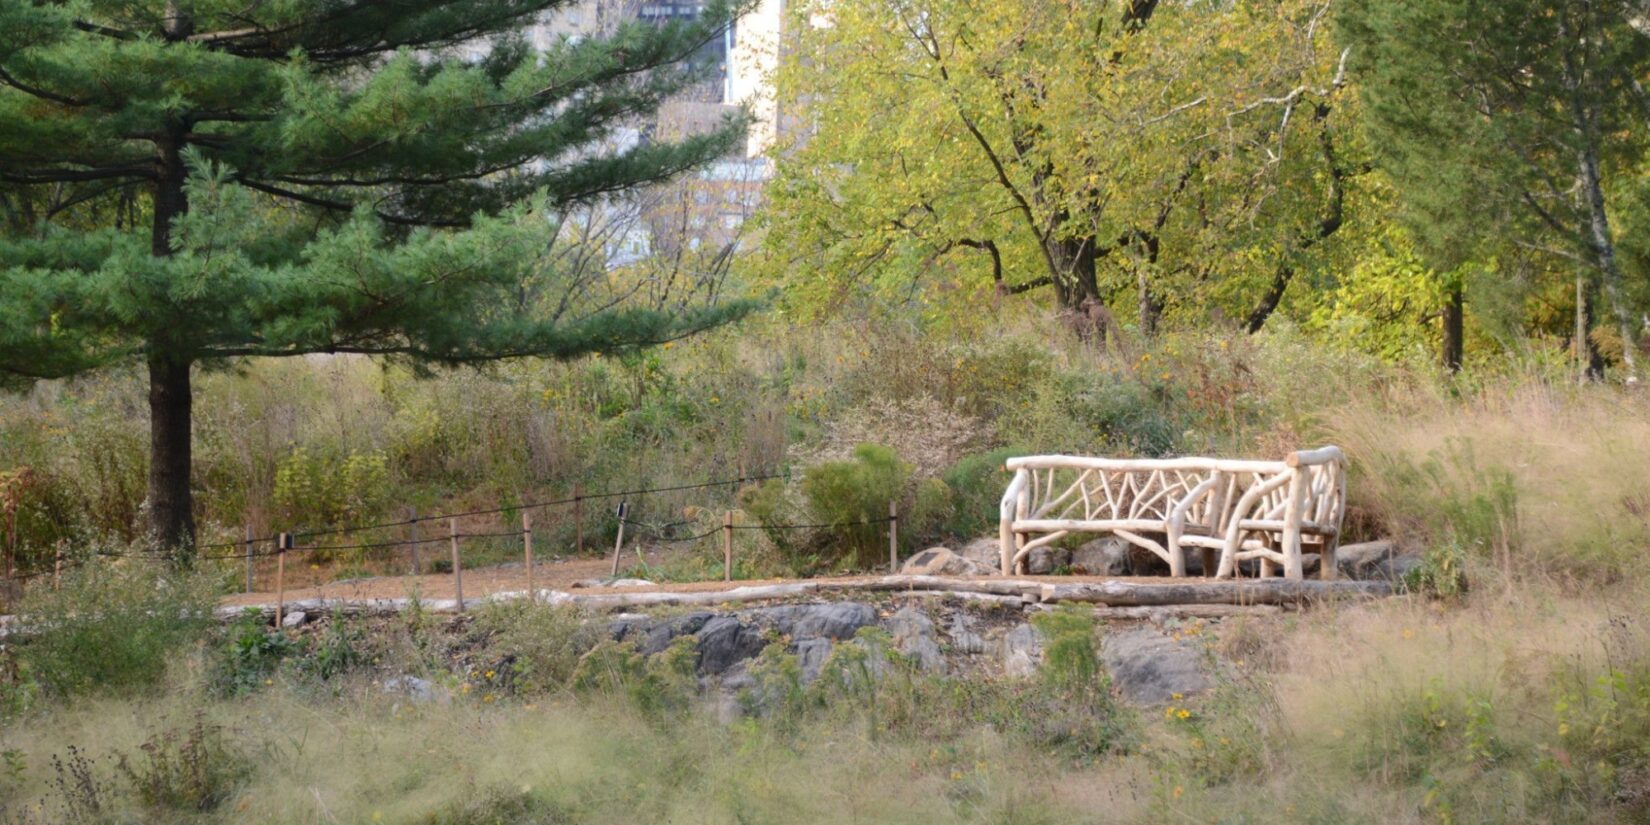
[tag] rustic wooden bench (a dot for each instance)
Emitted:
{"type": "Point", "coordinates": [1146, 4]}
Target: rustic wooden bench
{"type": "Point", "coordinates": [1266, 510]}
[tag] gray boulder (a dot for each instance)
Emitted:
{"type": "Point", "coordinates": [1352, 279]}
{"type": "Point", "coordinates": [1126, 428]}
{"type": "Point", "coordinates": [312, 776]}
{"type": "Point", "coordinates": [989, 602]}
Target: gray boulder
{"type": "Point", "coordinates": [810, 656]}
{"type": "Point", "coordinates": [913, 634]}
{"type": "Point", "coordinates": [1021, 650]}
{"type": "Point", "coordinates": [1148, 668]}
{"type": "Point", "coordinates": [724, 641]}
{"type": "Point", "coordinates": [940, 561]}
{"type": "Point", "coordinates": [963, 638]}
{"type": "Point", "coordinates": [828, 620]}
{"type": "Point", "coordinates": [985, 551]}
{"type": "Point", "coordinates": [1105, 556]}
{"type": "Point", "coordinates": [294, 619]}
{"type": "Point", "coordinates": [1045, 560]}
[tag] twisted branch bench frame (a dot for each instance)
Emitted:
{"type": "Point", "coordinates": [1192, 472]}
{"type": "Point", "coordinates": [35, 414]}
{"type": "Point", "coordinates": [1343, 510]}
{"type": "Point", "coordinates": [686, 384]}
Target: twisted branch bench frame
{"type": "Point", "coordinates": [1267, 510]}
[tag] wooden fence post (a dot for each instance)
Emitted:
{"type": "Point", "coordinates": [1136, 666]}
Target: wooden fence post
{"type": "Point", "coordinates": [413, 520]}
{"type": "Point", "coordinates": [57, 568]}
{"type": "Point", "coordinates": [893, 537]}
{"type": "Point", "coordinates": [282, 542]}
{"type": "Point", "coordinates": [249, 558]}
{"type": "Point", "coordinates": [578, 519]}
{"type": "Point", "coordinates": [527, 552]}
{"type": "Point", "coordinates": [727, 547]}
{"type": "Point", "coordinates": [624, 511]}
{"type": "Point", "coordinates": [458, 568]}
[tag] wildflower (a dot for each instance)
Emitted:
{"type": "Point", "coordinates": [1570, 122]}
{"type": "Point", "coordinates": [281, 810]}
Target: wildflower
{"type": "Point", "coordinates": [1184, 714]}
{"type": "Point", "coordinates": [491, 674]}
{"type": "Point", "coordinates": [1177, 696]}
{"type": "Point", "coordinates": [1178, 791]}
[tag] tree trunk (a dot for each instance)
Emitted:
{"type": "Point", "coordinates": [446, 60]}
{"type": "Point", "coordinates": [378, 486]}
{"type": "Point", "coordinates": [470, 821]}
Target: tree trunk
{"type": "Point", "coordinates": [171, 403]}
{"type": "Point", "coordinates": [1604, 254]}
{"type": "Point", "coordinates": [1455, 315]}
{"type": "Point", "coordinates": [171, 399]}
{"type": "Point", "coordinates": [1074, 278]}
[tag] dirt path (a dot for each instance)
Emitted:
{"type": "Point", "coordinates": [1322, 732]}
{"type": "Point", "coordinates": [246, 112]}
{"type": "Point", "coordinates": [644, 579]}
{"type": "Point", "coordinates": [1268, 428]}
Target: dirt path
{"type": "Point", "coordinates": [560, 574]}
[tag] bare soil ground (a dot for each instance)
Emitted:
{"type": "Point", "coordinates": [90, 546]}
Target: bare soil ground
{"type": "Point", "coordinates": [551, 574]}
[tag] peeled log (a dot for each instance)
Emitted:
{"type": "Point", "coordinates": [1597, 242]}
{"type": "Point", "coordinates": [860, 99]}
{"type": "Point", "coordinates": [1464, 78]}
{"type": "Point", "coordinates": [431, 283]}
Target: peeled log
{"type": "Point", "coordinates": [1271, 591]}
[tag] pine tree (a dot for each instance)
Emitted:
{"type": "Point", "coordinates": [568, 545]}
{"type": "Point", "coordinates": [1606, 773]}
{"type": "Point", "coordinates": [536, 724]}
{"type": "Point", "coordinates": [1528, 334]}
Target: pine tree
{"type": "Point", "coordinates": [316, 176]}
{"type": "Point", "coordinates": [1507, 119]}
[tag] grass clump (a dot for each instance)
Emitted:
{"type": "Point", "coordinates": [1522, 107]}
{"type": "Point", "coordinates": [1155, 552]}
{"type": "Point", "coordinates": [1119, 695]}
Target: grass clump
{"type": "Point", "coordinates": [113, 627]}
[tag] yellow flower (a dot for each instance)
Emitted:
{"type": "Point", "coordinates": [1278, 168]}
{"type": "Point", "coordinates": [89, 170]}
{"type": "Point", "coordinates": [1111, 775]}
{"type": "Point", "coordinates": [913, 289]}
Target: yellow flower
{"type": "Point", "coordinates": [1178, 791]}
{"type": "Point", "coordinates": [1168, 713]}
{"type": "Point", "coordinates": [491, 674]}
{"type": "Point", "coordinates": [1184, 714]}
{"type": "Point", "coordinates": [487, 700]}
{"type": "Point", "coordinates": [1177, 696]}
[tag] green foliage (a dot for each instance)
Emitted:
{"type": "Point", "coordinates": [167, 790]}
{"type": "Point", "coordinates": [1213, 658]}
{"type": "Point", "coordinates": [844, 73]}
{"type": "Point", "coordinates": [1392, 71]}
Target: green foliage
{"type": "Point", "coordinates": [312, 489]}
{"type": "Point", "coordinates": [977, 483]}
{"type": "Point", "coordinates": [543, 644]}
{"type": "Point", "coordinates": [845, 492]}
{"type": "Point", "coordinates": [660, 686]}
{"type": "Point", "coordinates": [1070, 661]}
{"type": "Point", "coordinates": [249, 655]}
{"type": "Point", "coordinates": [114, 627]}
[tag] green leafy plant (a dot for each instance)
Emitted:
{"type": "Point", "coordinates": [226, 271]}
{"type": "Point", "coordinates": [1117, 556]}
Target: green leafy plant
{"type": "Point", "coordinates": [249, 655]}
{"type": "Point", "coordinates": [113, 626]}
{"type": "Point", "coordinates": [850, 492]}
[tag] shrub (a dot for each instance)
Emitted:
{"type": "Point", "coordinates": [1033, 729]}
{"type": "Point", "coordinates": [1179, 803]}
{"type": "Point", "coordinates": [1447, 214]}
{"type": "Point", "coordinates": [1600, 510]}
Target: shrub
{"type": "Point", "coordinates": [541, 643]}
{"type": "Point", "coordinates": [113, 626]}
{"type": "Point", "coordinates": [328, 488]}
{"type": "Point", "coordinates": [976, 483]}
{"type": "Point", "coordinates": [843, 492]}
{"type": "Point", "coordinates": [188, 769]}
{"type": "Point", "coordinates": [660, 685]}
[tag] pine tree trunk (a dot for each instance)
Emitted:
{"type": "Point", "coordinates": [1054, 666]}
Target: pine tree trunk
{"type": "Point", "coordinates": [171, 398]}
{"type": "Point", "coordinates": [1455, 316]}
{"type": "Point", "coordinates": [171, 406]}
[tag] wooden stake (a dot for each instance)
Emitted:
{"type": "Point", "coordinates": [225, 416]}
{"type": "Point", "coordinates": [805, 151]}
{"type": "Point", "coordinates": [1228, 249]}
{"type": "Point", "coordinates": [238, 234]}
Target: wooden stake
{"type": "Point", "coordinates": [893, 537]}
{"type": "Point", "coordinates": [57, 569]}
{"type": "Point", "coordinates": [413, 519]}
{"type": "Point", "coordinates": [618, 544]}
{"type": "Point", "coordinates": [727, 547]}
{"type": "Point", "coordinates": [527, 551]}
{"type": "Point", "coordinates": [249, 558]}
{"type": "Point", "coordinates": [282, 542]}
{"type": "Point", "coordinates": [458, 569]}
{"type": "Point", "coordinates": [578, 519]}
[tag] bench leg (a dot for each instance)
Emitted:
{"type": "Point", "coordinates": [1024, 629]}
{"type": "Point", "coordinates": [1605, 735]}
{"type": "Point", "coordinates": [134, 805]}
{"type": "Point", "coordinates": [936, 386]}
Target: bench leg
{"type": "Point", "coordinates": [1326, 558]}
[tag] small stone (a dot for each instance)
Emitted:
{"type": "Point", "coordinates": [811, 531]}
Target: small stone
{"type": "Point", "coordinates": [414, 688]}
{"type": "Point", "coordinates": [294, 619]}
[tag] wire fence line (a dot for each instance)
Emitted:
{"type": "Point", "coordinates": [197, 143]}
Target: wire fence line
{"type": "Point", "coordinates": [524, 506]}
{"type": "Point", "coordinates": [253, 548]}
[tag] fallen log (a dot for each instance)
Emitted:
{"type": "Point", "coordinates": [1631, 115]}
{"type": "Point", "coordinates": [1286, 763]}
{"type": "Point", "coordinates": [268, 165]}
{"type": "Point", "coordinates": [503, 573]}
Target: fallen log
{"type": "Point", "coordinates": [1158, 615]}
{"type": "Point", "coordinates": [1267, 591]}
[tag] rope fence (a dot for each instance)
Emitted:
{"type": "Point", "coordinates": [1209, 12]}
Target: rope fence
{"type": "Point", "coordinates": [280, 545]}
